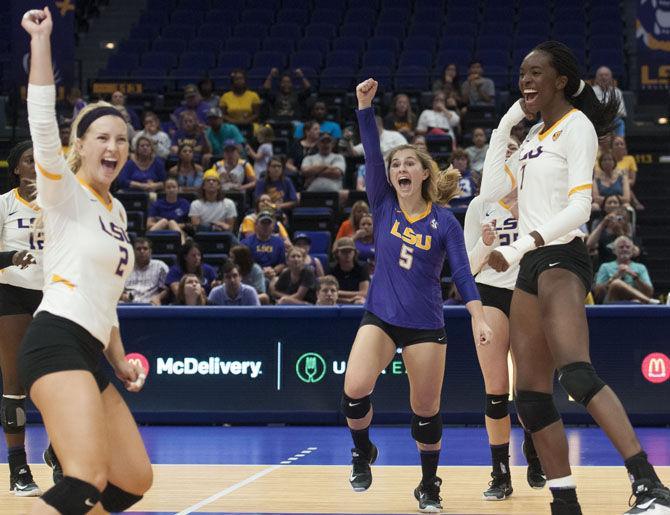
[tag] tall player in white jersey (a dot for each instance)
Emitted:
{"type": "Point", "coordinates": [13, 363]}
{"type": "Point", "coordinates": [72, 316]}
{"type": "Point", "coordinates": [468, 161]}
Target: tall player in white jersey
{"type": "Point", "coordinates": [553, 169]}
{"type": "Point", "coordinates": [20, 294]}
{"type": "Point", "coordinates": [488, 226]}
{"type": "Point", "coordinates": [87, 258]}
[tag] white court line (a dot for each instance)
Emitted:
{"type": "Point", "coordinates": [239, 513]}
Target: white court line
{"type": "Point", "coordinates": [228, 490]}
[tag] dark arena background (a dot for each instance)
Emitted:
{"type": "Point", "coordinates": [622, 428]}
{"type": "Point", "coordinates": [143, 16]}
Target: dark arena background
{"type": "Point", "coordinates": [240, 411]}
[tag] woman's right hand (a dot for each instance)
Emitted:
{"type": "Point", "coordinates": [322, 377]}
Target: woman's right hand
{"type": "Point", "coordinates": [488, 234]}
{"type": "Point", "coordinates": [530, 116]}
{"type": "Point", "coordinates": [37, 22]}
{"type": "Point", "coordinates": [365, 92]}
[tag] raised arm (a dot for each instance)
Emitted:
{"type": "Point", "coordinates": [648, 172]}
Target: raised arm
{"type": "Point", "coordinates": [376, 182]}
{"type": "Point", "coordinates": [54, 180]}
{"type": "Point", "coordinates": [499, 173]}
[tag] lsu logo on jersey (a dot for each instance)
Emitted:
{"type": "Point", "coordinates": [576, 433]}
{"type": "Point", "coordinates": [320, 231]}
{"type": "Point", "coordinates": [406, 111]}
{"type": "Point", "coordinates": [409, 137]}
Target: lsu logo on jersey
{"type": "Point", "coordinates": [420, 241]}
{"type": "Point", "coordinates": [25, 223]}
{"type": "Point", "coordinates": [532, 154]}
{"type": "Point", "coordinates": [556, 135]}
{"type": "Point", "coordinates": [265, 249]}
{"type": "Point", "coordinates": [116, 232]}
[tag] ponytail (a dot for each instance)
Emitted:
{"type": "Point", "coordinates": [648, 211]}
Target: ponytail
{"type": "Point", "coordinates": [601, 114]}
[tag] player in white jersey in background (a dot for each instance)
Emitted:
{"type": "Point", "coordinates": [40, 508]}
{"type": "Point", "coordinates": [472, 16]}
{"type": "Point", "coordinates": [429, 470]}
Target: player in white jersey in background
{"type": "Point", "coordinates": [487, 226]}
{"type": "Point", "coordinates": [20, 294]}
{"type": "Point", "coordinates": [86, 260]}
{"type": "Point", "coordinates": [553, 169]}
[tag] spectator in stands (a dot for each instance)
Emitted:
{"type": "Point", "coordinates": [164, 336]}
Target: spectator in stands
{"type": "Point", "coordinates": [449, 82]}
{"type": "Point", "coordinates": [612, 226]}
{"type": "Point", "coordinates": [624, 279]}
{"type": "Point", "coordinates": [265, 136]}
{"type": "Point", "coordinates": [287, 103]}
{"type": "Point", "coordinates": [353, 277]}
{"type": "Point", "coordinates": [191, 132]}
{"type": "Point", "coordinates": [467, 183]}
{"type": "Point", "coordinates": [74, 103]}
{"type": "Point", "coordinates": [611, 203]}
{"type": "Point", "coordinates": [302, 240]}
{"type": "Point", "coordinates": [319, 112]}
{"type": "Point", "coordinates": [401, 118]}
{"type": "Point", "coordinates": [419, 142]}
{"type": "Point", "coordinates": [267, 249]}
{"type": "Point", "coordinates": [303, 147]}
{"type": "Point", "coordinates": [324, 171]}
{"type": "Point", "coordinates": [252, 273]}
{"type": "Point", "coordinates": [609, 181]}
{"type": "Point", "coordinates": [364, 239]}
{"type": "Point", "coordinates": [477, 151]}
{"type": "Point", "coordinates": [206, 89]}
{"type": "Point", "coordinates": [218, 133]}
{"type": "Point", "coordinates": [212, 211]}
{"type": "Point", "coordinates": [118, 100]}
{"type": "Point", "coordinates": [152, 130]}
{"type": "Point", "coordinates": [169, 213]}
{"type": "Point", "coordinates": [189, 292]}
{"type": "Point", "coordinates": [326, 290]}
{"type": "Point", "coordinates": [478, 90]}
{"type": "Point", "coordinates": [144, 171]}
{"type": "Point", "coordinates": [296, 284]}
{"type": "Point", "coordinates": [240, 105]}
{"type": "Point", "coordinates": [146, 283]}
{"type": "Point", "coordinates": [64, 135]}
{"type": "Point", "coordinates": [187, 172]}
{"type": "Point", "coordinates": [236, 174]}
{"type": "Point", "coordinates": [439, 117]}
{"type": "Point", "coordinates": [189, 261]}
{"type": "Point", "coordinates": [519, 131]}
{"type": "Point", "coordinates": [192, 102]}
{"type": "Point", "coordinates": [233, 292]}
{"type": "Point", "coordinates": [349, 227]}
{"type": "Point", "coordinates": [512, 146]}
{"type": "Point", "coordinates": [627, 164]}
{"type": "Point", "coordinates": [264, 203]}
{"type": "Point", "coordinates": [604, 84]}
{"type": "Point", "coordinates": [279, 187]}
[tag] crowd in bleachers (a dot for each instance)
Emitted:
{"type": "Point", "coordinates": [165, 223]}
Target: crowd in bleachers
{"type": "Point", "coordinates": [261, 153]}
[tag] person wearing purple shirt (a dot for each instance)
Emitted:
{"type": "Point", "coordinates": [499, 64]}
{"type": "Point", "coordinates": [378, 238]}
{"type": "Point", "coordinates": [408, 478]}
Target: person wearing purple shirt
{"type": "Point", "coordinates": [192, 102]}
{"type": "Point", "coordinates": [145, 171]}
{"type": "Point", "coordinates": [189, 261]}
{"type": "Point", "coordinates": [267, 249]}
{"type": "Point", "coordinates": [169, 213]}
{"type": "Point", "coordinates": [413, 233]}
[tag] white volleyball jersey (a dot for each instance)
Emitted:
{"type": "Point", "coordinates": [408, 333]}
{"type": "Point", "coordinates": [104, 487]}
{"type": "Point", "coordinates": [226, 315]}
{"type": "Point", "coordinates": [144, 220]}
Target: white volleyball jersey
{"type": "Point", "coordinates": [507, 231]}
{"type": "Point", "coordinates": [551, 166]}
{"type": "Point", "coordinates": [87, 253]}
{"type": "Point", "coordinates": [16, 218]}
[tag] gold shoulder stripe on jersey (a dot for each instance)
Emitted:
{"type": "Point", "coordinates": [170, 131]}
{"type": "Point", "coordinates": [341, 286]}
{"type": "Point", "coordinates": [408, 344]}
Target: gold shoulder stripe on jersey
{"type": "Point", "coordinates": [511, 176]}
{"type": "Point", "coordinates": [504, 205]}
{"type": "Point", "coordinates": [556, 135]}
{"type": "Point", "coordinates": [419, 216]}
{"type": "Point", "coordinates": [108, 205]}
{"type": "Point", "coordinates": [48, 175]}
{"type": "Point", "coordinates": [581, 187]}
{"type": "Point", "coordinates": [58, 279]}
{"type": "Point", "coordinates": [543, 132]}
{"type": "Point", "coordinates": [23, 201]}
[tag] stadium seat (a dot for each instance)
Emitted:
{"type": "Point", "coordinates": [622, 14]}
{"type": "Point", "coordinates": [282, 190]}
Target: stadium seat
{"type": "Point", "coordinates": [202, 59]}
{"type": "Point", "coordinates": [135, 222]}
{"type": "Point", "coordinates": [312, 219]}
{"type": "Point", "coordinates": [214, 242]}
{"type": "Point", "coordinates": [415, 58]}
{"type": "Point", "coordinates": [203, 44]}
{"type": "Point", "coordinates": [234, 59]}
{"type": "Point", "coordinates": [320, 29]}
{"type": "Point", "coordinates": [412, 78]}
{"type": "Point", "coordinates": [215, 260]}
{"type": "Point", "coordinates": [321, 15]}
{"type": "Point", "coordinates": [164, 242]}
{"type": "Point", "coordinates": [320, 241]}
{"type": "Point", "coordinates": [179, 31]}
{"type": "Point", "coordinates": [261, 16]}
{"type": "Point", "coordinates": [292, 15]}
{"type": "Point", "coordinates": [250, 30]}
{"type": "Point", "coordinates": [379, 58]}
{"type": "Point", "coordinates": [306, 58]}
{"type": "Point", "coordinates": [187, 16]}
{"type": "Point", "coordinates": [133, 200]}
{"type": "Point", "coordinates": [169, 45]}
{"type": "Point", "coordinates": [314, 43]}
{"type": "Point", "coordinates": [243, 44]}
{"type": "Point", "coordinates": [356, 29]}
{"type": "Point", "coordinates": [277, 44]}
{"type": "Point", "coordinates": [342, 58]}
{"type": "Point", "coordinates": [328, 199]}
{"type": "Point", "coordinates": [288, 30]}
{"type": "Point", "coordinates": [269, 60]}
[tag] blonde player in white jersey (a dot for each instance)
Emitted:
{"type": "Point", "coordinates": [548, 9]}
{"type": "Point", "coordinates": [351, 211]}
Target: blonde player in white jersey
{"type": "Point", "coordinates": [488, 226]}
{"type": "Point", "coordinates": [553, 171]}
{"type": "Point", "coordinates": [87, 258]}
{"type": "Point", "coordinates": [20, 294]}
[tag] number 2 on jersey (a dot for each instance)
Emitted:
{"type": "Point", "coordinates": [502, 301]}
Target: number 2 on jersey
{"type": "Point", "coordinates": [406, 257]}
{"type": "Point", "coordinates": [123, 261]}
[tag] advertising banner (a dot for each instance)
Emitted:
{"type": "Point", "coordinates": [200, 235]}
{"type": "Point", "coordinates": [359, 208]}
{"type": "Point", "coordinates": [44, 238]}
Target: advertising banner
{"type": "Point", "coordinates": [653, 44]}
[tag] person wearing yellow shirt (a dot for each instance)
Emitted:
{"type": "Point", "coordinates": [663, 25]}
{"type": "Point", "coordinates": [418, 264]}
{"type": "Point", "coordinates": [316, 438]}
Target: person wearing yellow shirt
{"type": "Point", "coordinates": [240, 105]}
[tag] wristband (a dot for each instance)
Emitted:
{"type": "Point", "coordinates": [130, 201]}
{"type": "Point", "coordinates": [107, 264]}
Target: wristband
{"type": "Point", "coordinates": [514, 252]}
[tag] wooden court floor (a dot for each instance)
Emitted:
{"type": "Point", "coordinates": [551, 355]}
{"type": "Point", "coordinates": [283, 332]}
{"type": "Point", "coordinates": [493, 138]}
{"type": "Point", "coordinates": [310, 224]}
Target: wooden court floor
{"type": "Point", "coordinates": [316, 489]}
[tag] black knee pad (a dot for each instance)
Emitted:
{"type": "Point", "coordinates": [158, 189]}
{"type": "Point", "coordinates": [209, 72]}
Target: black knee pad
{"type": "Point", "coordinates": [355, 408]}
{"type": "Point", "coordinates": [72, 496]}
{"type": "Point", "coordinates": [580, 381]}
{"type": "Point", "coordinates": [13, 414]}
{"type": "Point", "coordinates": [427, 429]}
{"type": "Point", "coordinates": [536, 410]}
{"type": "Point", "coordinates": [114, 499]}
{"type": "Point", "coordinates": [496, 406]}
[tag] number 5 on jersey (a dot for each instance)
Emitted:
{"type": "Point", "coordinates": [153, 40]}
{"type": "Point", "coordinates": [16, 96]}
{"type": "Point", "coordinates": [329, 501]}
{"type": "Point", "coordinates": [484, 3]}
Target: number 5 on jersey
{"type": "Point", "coordinates": [406, 257]}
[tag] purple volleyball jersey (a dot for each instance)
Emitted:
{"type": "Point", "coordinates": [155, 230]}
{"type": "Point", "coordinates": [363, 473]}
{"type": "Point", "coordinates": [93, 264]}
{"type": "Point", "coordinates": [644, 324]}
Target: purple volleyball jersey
{"type": "Point", "coordinates": [405, 290]}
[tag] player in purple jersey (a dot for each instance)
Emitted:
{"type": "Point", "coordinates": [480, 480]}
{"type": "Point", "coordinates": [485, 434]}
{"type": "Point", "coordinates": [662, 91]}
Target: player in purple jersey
{"type": "Point", "coordinates": [413, 234]}
{"type": "Point", "coordinates": [548, 326]}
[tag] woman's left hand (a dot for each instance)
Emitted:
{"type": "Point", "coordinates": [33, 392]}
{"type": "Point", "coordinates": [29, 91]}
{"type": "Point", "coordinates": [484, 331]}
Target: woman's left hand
{"type": "Point", "coordinates": [497, 261]}
{"type": "Point", "coordinates": [481, 332]}
{"type": "Point", "coordinates": [132, 375]}
{"type": "Point", "coordinates": [23, 259]}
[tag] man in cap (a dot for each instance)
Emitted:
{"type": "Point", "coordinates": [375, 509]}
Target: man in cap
{"type": "Point", "coordinates": [324, 170]}
{"type": "Point", "coordinates": [267, 249]}
{"type": "Point", "coordinates": [192, 102]}
{"type": "Point", "coordinates": [218, 132]}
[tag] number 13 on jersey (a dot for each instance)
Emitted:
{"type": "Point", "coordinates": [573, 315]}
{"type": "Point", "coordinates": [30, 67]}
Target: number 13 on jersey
{"type": "Point", "coordinates": [406, 257]}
